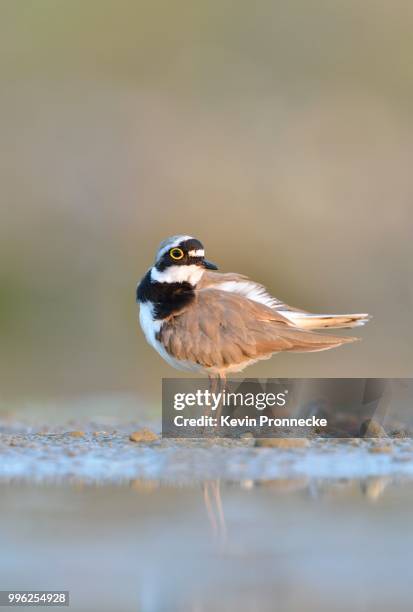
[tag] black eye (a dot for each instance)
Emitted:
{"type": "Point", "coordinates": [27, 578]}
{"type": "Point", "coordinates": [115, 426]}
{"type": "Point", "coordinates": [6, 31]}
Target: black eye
{"type": "Point", "coordinates": [176, 253]}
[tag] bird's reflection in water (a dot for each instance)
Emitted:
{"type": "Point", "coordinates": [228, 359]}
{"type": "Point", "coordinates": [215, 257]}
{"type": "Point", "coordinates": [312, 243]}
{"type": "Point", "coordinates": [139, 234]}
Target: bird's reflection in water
{"type": "Point", "coordinates": [372, 488]}
{"type": "Point", "coordinates": [215, 510]}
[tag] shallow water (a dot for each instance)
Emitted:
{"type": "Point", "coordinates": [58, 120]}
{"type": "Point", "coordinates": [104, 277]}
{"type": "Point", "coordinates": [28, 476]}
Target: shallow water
{"type": "Point", "coordinates": [205, 525]}
{"type": "Point", "coordinates": [286, 544]}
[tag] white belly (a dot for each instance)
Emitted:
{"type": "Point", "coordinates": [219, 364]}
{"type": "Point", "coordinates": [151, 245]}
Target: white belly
{"type": "Point", "coordinates": [150, 328]}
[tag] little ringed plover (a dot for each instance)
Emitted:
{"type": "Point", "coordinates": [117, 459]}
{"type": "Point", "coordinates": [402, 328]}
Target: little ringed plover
{"type": "Point", "coordinates": [200, 320]}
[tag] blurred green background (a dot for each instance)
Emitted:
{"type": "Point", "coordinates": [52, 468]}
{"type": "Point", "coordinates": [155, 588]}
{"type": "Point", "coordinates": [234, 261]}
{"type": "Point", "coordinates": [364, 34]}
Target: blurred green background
{"type": "Point", "coordinates": [278, 133]}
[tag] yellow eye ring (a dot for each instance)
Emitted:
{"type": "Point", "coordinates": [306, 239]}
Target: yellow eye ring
{"type": "Point", "coordinates": [176, 253]}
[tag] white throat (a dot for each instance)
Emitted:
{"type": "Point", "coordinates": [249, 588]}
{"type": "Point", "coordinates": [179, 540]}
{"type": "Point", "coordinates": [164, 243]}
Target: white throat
{"type": "Point", "coordinates": [178, 274]}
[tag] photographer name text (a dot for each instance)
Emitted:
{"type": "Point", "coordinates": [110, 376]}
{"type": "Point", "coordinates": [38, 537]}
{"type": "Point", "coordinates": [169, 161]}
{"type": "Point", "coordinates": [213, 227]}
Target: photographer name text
{"type": "Point", "coordinates": [261, 421]}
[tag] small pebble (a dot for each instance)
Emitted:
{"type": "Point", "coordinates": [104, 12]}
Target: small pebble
{"type": "Point", "coordinates": [381, 449]}
{"type": "Point", "coordinates": [282, 442]}
{"type": "Point", "coordinates": [372, 429]}
{"type": "Point", "coordinates": [143, 435]}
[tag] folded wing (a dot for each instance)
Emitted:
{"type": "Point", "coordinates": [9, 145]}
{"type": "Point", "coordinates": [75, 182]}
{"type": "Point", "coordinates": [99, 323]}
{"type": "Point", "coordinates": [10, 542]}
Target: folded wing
{"type": "Point", "coordinates": [221, 329]}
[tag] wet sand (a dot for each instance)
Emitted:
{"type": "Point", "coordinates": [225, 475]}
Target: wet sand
{"type": "Point", "coordinates": [94, 455]}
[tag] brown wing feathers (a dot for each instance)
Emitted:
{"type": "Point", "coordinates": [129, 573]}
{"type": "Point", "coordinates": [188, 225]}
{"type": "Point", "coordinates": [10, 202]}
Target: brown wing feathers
{"type": "Point", "coordinates": [219, 329]}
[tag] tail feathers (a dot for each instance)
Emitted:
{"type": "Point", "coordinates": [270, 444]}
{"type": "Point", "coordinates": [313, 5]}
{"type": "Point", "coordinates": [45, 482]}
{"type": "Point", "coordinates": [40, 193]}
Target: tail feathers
{"type": "Point", "coordinates": [306, 320]}
{"type": "Point", "coordinates": [311, 342]}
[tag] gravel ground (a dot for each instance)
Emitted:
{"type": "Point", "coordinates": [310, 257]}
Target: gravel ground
{"type": "Point", "coordinates": [128, 452]}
